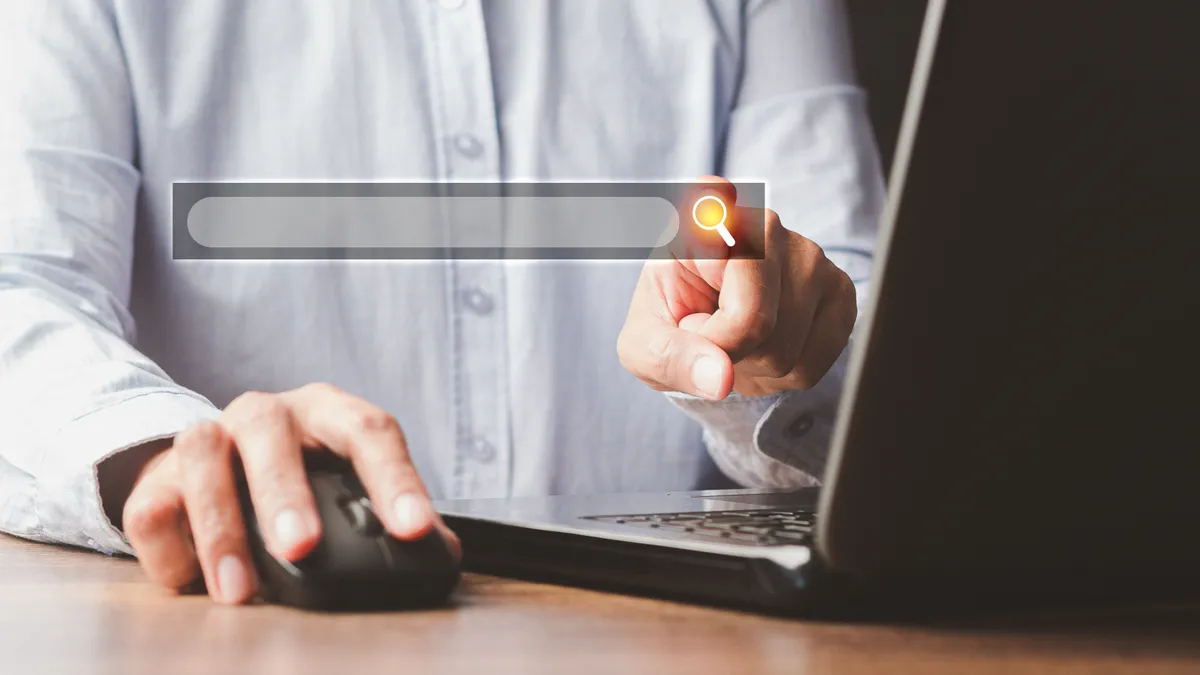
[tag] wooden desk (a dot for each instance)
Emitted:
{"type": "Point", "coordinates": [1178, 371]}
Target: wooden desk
{"type": "Point", "coordinates": [73, 612]}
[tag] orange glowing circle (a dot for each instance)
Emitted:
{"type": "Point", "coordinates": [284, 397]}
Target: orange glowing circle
{"type": "Point", "coordinates": [709, 212]}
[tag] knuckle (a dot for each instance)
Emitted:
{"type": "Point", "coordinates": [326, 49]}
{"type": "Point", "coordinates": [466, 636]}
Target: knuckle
{"type": "Point", "coordinates": [841, 281]}
{"type": "Point", "coordinates": [147, 514]}
{"type": "Point", "coordinates": [201, 437]}
{"type": "Point", "coordinates": [371, 420]}
{"type": "Point", "coordinates": [817, 251]}
{"type": "Point", "coordinates": [254, 406]}
{"type": "Point", "coordinates": [321, 388]}
{"type": "Point", "coordinates": [214, 531]}
{"type": "Point", "coordinates": [248, 399]}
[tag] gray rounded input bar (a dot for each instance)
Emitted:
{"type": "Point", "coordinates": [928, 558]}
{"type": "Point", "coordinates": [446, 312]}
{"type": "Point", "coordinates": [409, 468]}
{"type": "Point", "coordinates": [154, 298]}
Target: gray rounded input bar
{"type": "Point", "coordinates": [429, 221]}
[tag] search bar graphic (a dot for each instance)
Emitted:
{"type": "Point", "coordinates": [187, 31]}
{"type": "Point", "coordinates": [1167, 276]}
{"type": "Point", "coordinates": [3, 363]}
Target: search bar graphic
{"type": "Point", "coordinates": [432, 222]}
{"type": "Point", "coordinates": [308, 221]}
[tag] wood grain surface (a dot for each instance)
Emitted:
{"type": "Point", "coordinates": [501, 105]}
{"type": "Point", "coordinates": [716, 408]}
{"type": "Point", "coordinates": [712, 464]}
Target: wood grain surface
{"type": "Point", "coordinates": [75, 612]}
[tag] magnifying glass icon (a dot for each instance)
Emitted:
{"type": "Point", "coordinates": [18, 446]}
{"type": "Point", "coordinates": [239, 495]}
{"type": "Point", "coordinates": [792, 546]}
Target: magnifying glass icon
{"type": "Point", "coordinates": [709, 213]}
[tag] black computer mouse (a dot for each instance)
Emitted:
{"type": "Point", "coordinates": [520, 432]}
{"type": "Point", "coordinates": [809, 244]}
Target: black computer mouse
{"type": "Point", "coordinates": [357, 565]}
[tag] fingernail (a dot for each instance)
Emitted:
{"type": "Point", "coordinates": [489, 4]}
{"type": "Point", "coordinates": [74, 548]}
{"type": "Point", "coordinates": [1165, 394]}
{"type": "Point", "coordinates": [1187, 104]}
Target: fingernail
{"type": "Point", "coordinates": [708, 376]}
{"type": "Point", "coordinates": [412, 515]}
{"type": "Point", "coordinates": [290, 529]}
{"type": "Point", "coordinates": [233, 580]}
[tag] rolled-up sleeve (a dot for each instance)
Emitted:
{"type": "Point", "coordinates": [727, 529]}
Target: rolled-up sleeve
{"type": "Point", "coordinates": [800, 124]}
{"type": "Point", "coordinates": [73, 389]}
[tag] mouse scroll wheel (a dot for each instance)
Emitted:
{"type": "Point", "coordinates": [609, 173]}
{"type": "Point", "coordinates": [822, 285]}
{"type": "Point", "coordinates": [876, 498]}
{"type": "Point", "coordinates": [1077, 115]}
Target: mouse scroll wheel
{"type": "Point", "coordinates": [362, 516]}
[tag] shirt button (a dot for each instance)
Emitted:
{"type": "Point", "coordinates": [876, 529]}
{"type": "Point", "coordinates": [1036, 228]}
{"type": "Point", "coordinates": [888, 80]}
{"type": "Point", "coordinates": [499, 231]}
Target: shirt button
{"type": "Point", "coordinates": [479, 302]}
{"type": "Point", "coordinates": [481, 450]}
{"type": "Point", "coordinates": [800, 426]}
{"type": "Point", "coordinates": [451, 4]}
{"type": "Point", "coordinates": [468, 146]}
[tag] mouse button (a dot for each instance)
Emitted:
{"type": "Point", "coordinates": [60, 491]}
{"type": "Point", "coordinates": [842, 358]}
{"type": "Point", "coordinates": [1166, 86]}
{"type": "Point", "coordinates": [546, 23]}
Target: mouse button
{"type": "Point", "coordinates": [343, 553]}
{"type": "Point", "coordinates": [340, 539]}
{"type": "Point", "coordinates": [329, 484]}
{"type": "Point", "coordinates": [361, 515]}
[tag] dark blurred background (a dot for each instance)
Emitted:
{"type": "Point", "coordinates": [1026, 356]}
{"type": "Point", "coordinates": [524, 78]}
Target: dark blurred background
{"type": "Point", "coordinates": [886, 33]}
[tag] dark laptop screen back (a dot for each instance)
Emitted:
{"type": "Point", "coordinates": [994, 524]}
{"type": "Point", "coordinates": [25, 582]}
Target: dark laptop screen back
{"type": "Point", "coordinates": [1028, 395]}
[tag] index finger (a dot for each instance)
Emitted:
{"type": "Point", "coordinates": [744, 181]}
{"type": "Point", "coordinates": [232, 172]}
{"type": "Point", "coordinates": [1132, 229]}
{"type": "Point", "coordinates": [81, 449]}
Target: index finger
{"type": "Point", "coordinates": [713, 185]}
{"type": "Point", "coordinates": [694, 243]}
{"type": "Point", "coordinates": [375, 445]}
{"type": "Point", "coordinates": [749, 289]}
{"type": "Point", "coordinates": [269, 445]}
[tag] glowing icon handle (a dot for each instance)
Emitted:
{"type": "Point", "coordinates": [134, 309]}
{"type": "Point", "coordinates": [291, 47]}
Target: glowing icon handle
{"type": "Point", "coordinates": [709, 219]}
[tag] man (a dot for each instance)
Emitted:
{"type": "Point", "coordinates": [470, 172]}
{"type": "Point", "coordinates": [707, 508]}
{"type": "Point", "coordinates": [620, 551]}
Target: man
{"type": "Point", "coordinates": [481, 377]}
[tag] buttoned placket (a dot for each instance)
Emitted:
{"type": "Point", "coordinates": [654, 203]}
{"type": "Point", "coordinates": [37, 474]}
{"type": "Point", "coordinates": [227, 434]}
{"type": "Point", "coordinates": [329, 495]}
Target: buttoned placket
{"type": "Point", "coordinates": [469, 147]}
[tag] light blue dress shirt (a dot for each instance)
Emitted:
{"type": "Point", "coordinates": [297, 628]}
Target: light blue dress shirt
{"type": "Point", "coordinates": [504, 375]}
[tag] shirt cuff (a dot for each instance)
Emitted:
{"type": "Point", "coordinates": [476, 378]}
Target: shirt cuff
{"type": "Point", "coordinates": [779, 441]}
{"type": "Point", "coordinates": [68, 496]}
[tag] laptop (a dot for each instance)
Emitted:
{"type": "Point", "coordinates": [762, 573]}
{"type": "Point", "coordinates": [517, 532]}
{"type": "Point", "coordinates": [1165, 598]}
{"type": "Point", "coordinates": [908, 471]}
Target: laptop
{"type": "Point", "coordinates": [1018, 421]}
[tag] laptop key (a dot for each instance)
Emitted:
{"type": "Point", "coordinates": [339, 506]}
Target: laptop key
{"type": "Point", "coordinates": [764, 528]}
{"type": "Point", "coordinates": [747, 537]}
{"type": "Point", "coordinates": [725, 519]}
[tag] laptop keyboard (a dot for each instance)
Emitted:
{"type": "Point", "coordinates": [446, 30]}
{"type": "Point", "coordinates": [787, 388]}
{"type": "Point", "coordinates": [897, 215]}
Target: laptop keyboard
{"type": "Point", "coordinates": [756, 528]}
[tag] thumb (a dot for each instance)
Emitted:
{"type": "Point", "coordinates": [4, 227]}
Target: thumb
{"type": "Point", "coordinates": [696, 366]}
{"type": "Point", "coordinates": [677, 359]}
{"type": "Point", "coordinates": [715, 373]}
